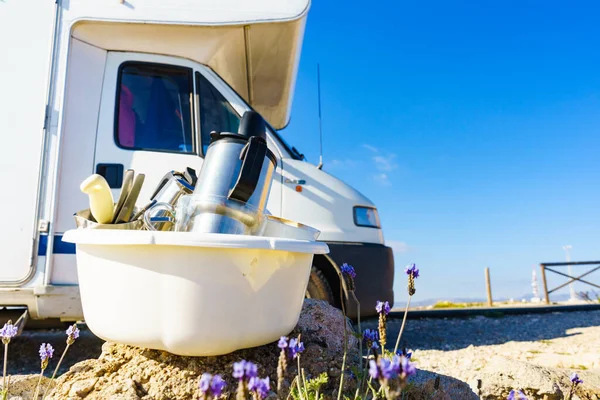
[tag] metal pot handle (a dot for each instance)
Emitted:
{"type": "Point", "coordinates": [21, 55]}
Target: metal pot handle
{"type": "Point", "coordinates": [253, 156]}
{"type": "Point", "coordinates": [149, 221]}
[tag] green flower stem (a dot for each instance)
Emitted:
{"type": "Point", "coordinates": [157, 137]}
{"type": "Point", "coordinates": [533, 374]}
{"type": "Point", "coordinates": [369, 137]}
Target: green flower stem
{"type": "Point", "coordinates": [360, 349]}
{"type": "Point", "coordinates": [402, 327]}
{"type": "Point", "coordinates": [37, 388]}
{"type": "Point", "coordinates": [363, 377]}
{"type": "Point", "coordinates": [570, 395]}
{"type": "Point", "coordinates": [298, 380]}
{"type": "Point", "coordinates": [369, 386]}
{"type": "Point", "coordinates": [295, 380]}
{"type": "Point", "coordinates": [345, 343]}
{"type": "Point", "coordinates": [304, 382]}
{"type": "Point", "coordinates": [4, 388]}
{"type": "Point", "coordinates": [55, 371]}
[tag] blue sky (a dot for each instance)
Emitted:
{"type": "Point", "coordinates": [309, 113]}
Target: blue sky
{"type": "Point", "coordinates": [473, 126]}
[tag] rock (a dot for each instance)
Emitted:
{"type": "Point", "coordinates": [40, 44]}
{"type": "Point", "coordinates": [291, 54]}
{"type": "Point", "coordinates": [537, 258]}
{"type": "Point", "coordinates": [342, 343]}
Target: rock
{"type": "Point", "coordinates": [82, 388]}
{"type": "Point", "coordinates": [423, 387]}
{"type": "Point", "coordinates": [23, 386]}
{"type": "Point", "coordinates": [501, 375]}
{"type": "Point", "coordinates": [127, 372]}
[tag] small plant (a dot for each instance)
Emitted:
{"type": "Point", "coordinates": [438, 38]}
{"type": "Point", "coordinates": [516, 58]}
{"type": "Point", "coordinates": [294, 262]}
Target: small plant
{"type": "Point", "coordinates": [389, 369]}
{"type": "Point", "coordinates": [244, 371]}
{"type": "Point", "coordinates": [311, 389]}
{"type": "Point", "coordinates": [413, 273]}
{"type": "Point", "coordinates": [7, 332]}
{"type": "Point", "coordinates": [391, 373]}
{"type": "Point", "coordinates": [211, 386]}
{"type": "Point", "coordinates": [575, 381]}
{"type": "Point", "coordinates": [348, 275]}
{"type": "Point", "coordinates": [290, 349]}
{"type": "Point", "coordinates": [46, 353]}
{"type": "Point", "coordinates": [383, 309]}
{"type": "Point", "coordinates": [72, 335]}
{"type": "Point", "coordinates": [259, 387]}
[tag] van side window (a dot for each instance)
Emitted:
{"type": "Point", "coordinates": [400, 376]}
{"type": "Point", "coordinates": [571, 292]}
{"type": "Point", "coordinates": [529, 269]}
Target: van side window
{"type": "Point", "coordinates": [216, 114]}
{"type": "Point", "coordinates": [154, 109]}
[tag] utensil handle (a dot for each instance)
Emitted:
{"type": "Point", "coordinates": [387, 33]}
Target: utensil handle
{"type": "Point", "coordinates": [157, 207]}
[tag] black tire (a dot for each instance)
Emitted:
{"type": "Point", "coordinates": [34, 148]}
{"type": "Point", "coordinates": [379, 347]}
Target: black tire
{"type": "Point", "coordinates": [318, 287]}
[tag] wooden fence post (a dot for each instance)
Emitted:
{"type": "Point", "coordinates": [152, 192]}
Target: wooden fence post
{"type": "Point", "coordinates": [488, 285]}
{"type": "Point", "coordinates": [546, 295]}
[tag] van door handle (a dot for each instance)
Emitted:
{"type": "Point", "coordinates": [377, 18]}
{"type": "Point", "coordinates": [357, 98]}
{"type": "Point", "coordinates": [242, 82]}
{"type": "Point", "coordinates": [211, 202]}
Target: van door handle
{"type": "Point", "coordinates": [113, 173]}
{"type": "Point", "coordinates": [295, 181]}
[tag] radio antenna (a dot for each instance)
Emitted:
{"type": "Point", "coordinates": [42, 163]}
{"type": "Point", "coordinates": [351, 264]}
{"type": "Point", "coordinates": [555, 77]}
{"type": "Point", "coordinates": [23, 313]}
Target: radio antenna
{"type": "Point", "coordinates": [320, 166]}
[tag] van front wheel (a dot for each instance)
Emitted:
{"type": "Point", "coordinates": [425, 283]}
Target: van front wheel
{"type": "Point", "coordinates": [318, 287]}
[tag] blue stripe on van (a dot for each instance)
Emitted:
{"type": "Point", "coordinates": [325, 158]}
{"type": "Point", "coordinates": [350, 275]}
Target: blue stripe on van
{"type": "Point", "coordinates": [59, 246]}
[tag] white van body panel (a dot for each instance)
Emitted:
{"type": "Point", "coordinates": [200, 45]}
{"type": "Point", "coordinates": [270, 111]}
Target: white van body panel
{"type": "Point", "coordinates": [187, 12]}
{"type": "Point", "coordinates": [26, 41]}
{"type": "Point", "coordinates": [82, 104]}
{"type": "Point", "coordinates": [331, 203]}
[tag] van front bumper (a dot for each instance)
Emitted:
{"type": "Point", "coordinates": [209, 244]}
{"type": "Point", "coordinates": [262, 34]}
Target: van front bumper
{"type": "Point", "coordinates": [374, 266]}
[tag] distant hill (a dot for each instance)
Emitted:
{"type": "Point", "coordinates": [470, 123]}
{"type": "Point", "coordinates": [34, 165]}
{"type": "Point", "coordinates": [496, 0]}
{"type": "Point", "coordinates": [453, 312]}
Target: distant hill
{"type": "Point", "coordinates": [430, 302]}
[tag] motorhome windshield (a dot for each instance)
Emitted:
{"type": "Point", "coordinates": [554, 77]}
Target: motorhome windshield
{"type": "Point", "coordinates": [274, 134]}
{"type": "Point", "coordinates": [289, 148]}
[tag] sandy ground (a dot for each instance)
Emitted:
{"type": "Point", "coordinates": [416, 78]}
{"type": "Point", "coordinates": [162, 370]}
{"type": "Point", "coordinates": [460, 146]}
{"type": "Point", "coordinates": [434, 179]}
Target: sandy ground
{"type": "Point", "coordinates": [455, 347]}
{"type": "Point", "coordinates": [461, 347]}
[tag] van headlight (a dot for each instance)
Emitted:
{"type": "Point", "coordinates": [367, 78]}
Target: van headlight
{"type": "Point", "coordinates": [366, 216]}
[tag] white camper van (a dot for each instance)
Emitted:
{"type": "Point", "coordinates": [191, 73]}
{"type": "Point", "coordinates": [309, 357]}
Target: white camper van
{"type": "Point", "coordinates": [102, 86]}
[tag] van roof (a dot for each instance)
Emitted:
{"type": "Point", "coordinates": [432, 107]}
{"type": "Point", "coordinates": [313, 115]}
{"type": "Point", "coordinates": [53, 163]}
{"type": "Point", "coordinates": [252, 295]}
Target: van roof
{"type": "Point", "coordinates": [254, 45]}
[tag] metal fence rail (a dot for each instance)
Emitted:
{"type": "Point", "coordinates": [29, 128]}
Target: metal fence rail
{"type": "Point", "coordinates": [544, 268]}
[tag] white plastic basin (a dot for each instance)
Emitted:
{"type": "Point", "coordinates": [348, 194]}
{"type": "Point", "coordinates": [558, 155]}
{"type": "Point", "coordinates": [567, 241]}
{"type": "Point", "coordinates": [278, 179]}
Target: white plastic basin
{"type": "Point", "coordinates": [191, 294]}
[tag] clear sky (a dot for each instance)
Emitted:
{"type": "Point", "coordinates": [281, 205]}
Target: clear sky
{"type": "Point", "coordinates": [473, 126]}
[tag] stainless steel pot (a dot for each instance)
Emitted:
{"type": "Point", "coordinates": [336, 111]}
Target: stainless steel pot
{"type": "Point", "coordinates": [171, 188]}
{"type": "Point", "coordinates": [234, 183]}
{"type": "Point", "coordinates": [84, 220]}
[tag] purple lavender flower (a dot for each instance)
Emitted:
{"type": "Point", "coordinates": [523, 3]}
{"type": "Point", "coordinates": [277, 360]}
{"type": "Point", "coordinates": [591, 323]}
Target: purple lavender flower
{"type": "Point", "coordinates": [389, 369]}
{"type": "Point", "coordinates": [575, 379]}
{"type": "Point", "coordinates": [204, 383]}
{"type": "Point", "coordinates": [407, 368]}
{"type": "Point", "coordinates": [238, 369]}
{"type": "Point", "coordinates": [283, 342]}
{"type": "Point", "coordinates": [244, 369]}
{"type": "Point", "coordinates": [250, 370]}
{"type": "Point", "coordinates": [260, 386]}
{"type": "Point", "coordinates": [412, 270]}
{"type": "Point", "coordinates": [373, 369]}
{"type": "Point", "coordinates": [370, 338]}
{"type": "Point", "coordinates": [370, 335]}
{"type": "Point", "coordinates": [383, 308]}
{"type": "Point", "coordinates": [46, 351]}
{"type": "Point", "coordinates": [211, 385]}
{"type": "Point", "coordinates": [295, 348]}
{"type": "Point", "coordinates": [348, 270]}
{"type": "Point", "coordinates": [516, 395]}
{"type": "Point", "coordinates": [217, 385]}
{"type": "Point", "coordinates": [292, 343]}
{"type": "Point", "coordinates": [8, 332]}
{"type": "Point", "coordinates": [73, 332]}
